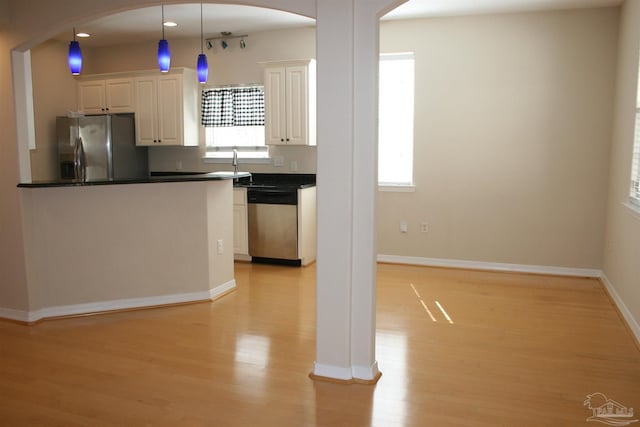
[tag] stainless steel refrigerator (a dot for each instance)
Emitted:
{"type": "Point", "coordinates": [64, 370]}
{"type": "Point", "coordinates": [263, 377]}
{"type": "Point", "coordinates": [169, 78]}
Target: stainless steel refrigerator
{"type": "Point", "coordinates": [100, 148]}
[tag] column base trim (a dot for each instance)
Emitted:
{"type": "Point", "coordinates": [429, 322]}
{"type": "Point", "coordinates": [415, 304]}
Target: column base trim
{"type": "Point", "coordinates": [346, 375]}
{"type": "Point", "coordinates": [373, 381]}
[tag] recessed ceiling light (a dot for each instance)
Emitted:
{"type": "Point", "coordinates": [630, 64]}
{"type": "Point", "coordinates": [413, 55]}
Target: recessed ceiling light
{"type": "Point", "coordinates": [170, 24]}
{"type": "Point", "coordinates": [83, 35]}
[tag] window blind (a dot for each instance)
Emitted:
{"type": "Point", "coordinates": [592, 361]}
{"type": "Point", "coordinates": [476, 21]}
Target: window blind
{"type": "Point", "coordinates": [233, 106]}
{"type": "Point", "coordinates": [634, 193]}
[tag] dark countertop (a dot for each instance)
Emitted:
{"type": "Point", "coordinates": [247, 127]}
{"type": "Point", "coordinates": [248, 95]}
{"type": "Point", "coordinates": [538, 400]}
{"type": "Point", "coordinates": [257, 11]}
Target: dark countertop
{"type": "Point", "coordinates": [154, 178]}
{"type": "Point", "coordinates": [277, 180]}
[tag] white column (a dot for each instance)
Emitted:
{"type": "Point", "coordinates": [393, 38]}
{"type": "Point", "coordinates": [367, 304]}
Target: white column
{"type": "Point", "coordinates": [347, 54]}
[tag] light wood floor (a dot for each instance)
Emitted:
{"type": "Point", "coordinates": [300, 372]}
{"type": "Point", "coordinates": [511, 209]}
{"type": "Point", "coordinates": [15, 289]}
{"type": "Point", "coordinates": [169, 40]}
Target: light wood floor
{"type": "Point", "coordinates": [520, 350]}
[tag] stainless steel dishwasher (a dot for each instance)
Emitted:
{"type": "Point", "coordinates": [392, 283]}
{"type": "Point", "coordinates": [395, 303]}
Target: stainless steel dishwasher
{"type": "Point", "coordinates": [273, 225]}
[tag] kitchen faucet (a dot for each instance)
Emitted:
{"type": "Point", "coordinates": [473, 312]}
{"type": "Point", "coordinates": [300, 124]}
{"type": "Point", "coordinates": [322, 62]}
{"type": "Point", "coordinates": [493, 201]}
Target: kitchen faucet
{"type": "Point", "coordinates": [234, 162]}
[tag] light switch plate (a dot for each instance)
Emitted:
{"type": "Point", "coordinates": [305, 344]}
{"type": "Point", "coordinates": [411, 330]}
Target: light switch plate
{"type": "Point", "coordinates": [278, 161]}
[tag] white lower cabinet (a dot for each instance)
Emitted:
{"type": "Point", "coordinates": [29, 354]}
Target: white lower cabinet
{"type": "Point", "coordinates": [307, 220]}
{"type": "Point", "coordinates": [240, 226]}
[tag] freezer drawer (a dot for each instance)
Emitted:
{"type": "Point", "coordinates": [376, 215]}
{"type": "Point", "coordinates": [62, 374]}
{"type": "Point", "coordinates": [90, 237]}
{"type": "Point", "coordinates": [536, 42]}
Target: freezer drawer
{"type": "Point", "coordinates": [273, 231]}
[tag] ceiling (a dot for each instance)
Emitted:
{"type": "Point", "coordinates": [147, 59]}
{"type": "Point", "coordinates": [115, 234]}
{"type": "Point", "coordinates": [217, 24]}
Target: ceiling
{"type": "Point", "coordinates": [144, 24]}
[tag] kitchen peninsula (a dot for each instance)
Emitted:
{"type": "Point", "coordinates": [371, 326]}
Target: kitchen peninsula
{"type": "Point", "coordinates": [110, 245]}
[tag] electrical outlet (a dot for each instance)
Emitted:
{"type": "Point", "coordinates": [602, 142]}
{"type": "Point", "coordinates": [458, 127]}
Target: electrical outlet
{"type": "Point", "coordinates": [403, 226]}
{"type": "Point", "coordinates": [178, 165]}
{"type": "Point", "coordinates": [220, 246]}
{"type": "Point", "coordinates": [293, 166]}
{"type": "Point", "coordinates": [424, 227]}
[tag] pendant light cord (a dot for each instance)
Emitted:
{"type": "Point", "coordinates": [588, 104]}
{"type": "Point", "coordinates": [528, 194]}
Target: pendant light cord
{"type": "Point", "coordinates": [201, 31]}
{"type": "Point", "coordinates": [162, 8]}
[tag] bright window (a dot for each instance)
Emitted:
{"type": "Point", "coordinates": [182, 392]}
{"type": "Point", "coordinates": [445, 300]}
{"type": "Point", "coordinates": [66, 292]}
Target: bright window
{"type": "Point", "coordinates": [248, 140]}
{"type": "Point", "coordinates": [634, 192]}
{"type": "Point", "coordinates": [395, 121]}
{"type": "Point", "coordinates": [233, 118]}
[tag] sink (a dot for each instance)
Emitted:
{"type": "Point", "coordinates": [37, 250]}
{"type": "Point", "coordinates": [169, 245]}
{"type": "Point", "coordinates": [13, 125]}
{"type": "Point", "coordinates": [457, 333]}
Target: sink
{"type": "Point", "coordinates": [230, 174]}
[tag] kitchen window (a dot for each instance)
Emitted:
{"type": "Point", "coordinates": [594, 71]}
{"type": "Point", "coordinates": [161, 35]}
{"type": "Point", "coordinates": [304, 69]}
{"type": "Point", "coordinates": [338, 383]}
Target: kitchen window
{"type": "Point", "coordinates": [395, 122]}
{"type": "Point", "coordinates": [634, 191]}
{"type": "Point", "coordinates": [233, 118]}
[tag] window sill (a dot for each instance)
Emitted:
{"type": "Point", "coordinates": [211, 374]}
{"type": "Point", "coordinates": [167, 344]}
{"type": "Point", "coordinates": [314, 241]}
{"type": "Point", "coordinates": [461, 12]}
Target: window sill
{"type": "Point", "coordinates": [397, 188]}
{"type": "Point", "coordinates": [632, 209]}
{"type": "Point", "coordinates": [241, 160]}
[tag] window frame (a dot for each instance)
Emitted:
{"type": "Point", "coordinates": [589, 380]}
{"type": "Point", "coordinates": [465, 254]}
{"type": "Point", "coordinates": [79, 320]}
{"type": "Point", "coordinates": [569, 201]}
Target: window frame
{"type": "Point", "coordinates": [398, 186]}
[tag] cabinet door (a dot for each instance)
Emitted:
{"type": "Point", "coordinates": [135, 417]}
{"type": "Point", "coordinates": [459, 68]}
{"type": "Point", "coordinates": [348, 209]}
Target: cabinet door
{"type": "Point", "coordinates": [146, 110]}
{"type": "Point", "coordinates": [120, 96]}
{"type": "Point", "coordinates": [297, 102]}
{"type": "Point", "coordinates": [274, 108]}
{"type": "Point", "coordinates": [91, 97]}
{"type": "Point", "coordinates": [170, 109]}
{"type": "Point", "coordinates": [240, 237]}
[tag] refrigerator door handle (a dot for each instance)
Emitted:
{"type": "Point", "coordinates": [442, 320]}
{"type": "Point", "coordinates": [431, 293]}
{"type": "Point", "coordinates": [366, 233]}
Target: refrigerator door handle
{"type": "Point", "coordinates": [79, 160]}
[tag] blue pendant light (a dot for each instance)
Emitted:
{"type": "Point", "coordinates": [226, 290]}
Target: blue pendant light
{"type": "Point", "coordinates": [164, 56]}
{"type": "Point", "coordinates": [75, 56]}
{"type": "Point", "coordinates": [203, 66]}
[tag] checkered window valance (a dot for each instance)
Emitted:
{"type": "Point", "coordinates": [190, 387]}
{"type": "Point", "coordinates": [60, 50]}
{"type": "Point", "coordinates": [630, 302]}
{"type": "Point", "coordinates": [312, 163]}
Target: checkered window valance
{"type": "Point", "coordinates": [233, 106]}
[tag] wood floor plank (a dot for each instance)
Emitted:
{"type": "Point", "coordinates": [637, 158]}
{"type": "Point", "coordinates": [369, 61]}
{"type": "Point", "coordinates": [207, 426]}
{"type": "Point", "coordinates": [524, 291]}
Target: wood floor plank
{"type": "Point", "coordinates": [456, 348]}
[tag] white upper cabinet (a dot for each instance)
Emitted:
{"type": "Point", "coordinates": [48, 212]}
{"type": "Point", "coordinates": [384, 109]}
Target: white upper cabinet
{"type": "Point", "coordinates": [166, 109]}
{"type": "Point", "coordinates": [290, 102]}
{"type": "Point", "coordinates": [106, 96]}
{"type": "Point", "coordinates": [165, 105]}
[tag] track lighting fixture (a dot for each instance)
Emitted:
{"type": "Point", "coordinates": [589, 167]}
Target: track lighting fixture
{"type": "Point", "coordinates": [224, 37]}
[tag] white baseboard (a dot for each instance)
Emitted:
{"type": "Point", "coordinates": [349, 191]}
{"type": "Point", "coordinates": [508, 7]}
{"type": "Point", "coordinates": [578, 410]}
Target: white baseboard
{"type": "Point", "coordinates": [119, 304]}
{"type": "Point", "coordinates": [493, 266]}
{"type": "Point", "coordinates": [11, 314]}
{"type": "Point", "coordinates": [628, 317]}
{"type": "Point", "coordinates": [222, 289]}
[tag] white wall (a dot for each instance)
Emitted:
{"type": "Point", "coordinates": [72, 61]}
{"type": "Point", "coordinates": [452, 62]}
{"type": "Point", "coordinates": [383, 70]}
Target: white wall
{"type": "Point", "coordinates": [54, 94]}
{"type": "Point", "coordinates": [622, 240]}
{"type": "Point", "coordinates": [13, 290]}
{"type": "Point", "coordinates": [512, 133]}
